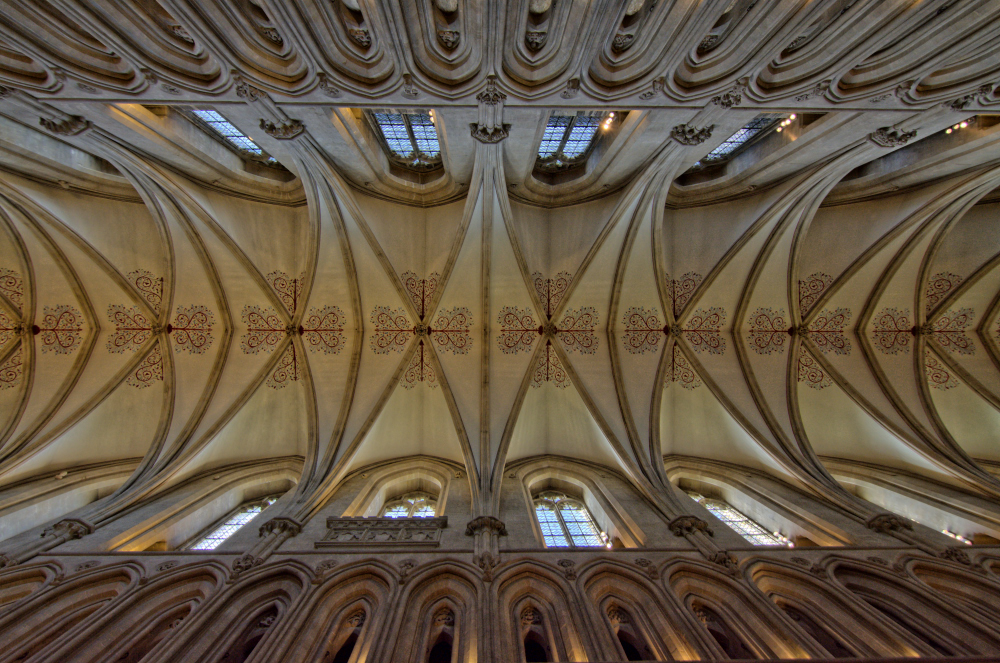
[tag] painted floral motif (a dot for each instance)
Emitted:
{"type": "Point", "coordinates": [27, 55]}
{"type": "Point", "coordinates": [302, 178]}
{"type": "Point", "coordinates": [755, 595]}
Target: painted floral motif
{"type": "Point", "coordinates": [132, 328]}
{"type": "Point", "coordinates": [9, 328]}
{"type": "Point", "coordinates": [192, 329]}
{"type": "Point", "coordinates": [810, 372]}
{"type": "Point", "coordinates": [548, 368]}
{"type": "Point", "coordinates": [264, 329]}
{"type": "Point", "coordinates": [892, 331]}
{"type": "Point", "coordinates": [577, 330]}
{"type": "Point", "coordinates": [289, 369]}
{"type": "Point", "coordinates": [643, 330]}
{"type": "Point", "coordinates": [11, 371]}
{"type": "Point", "coordinates": [289, 290]}
{"type": "Point", "coordinates": [12, 287]}
{"type": "Point", "coordinates": [451, 330]}
{"type": "Point", "coordinates": [149, 370]}
{"type": "Point", "coordinates": [149, 286]}
{"type": "Point", "coordinates": [703, 330]}
{"type": "Point", "coordinates": [681, 371]}
{"type": "Point", "coordinates": [826, 331]}
{"type": "Point", "coordinates": [938, 376]}
{"type": "Point", "coordinates": [938, 286]}
{"type": "Point", "coordinates": [811, 288]}
{"type": "Point", "coordinates": [421, 291]}
{"type": "Point", "coordinates": [323, 330]}
{"type": "Point", "coordinates": [393, 330]}
{"type": "Point", "coordinates": [518, 330]}
{"type": "Point", "coordinates": [679, 291]}
{"type": "Point", "coordinates": [60, 330]}
{"type": "Point", "coordinates": [768, 331]}
{"type": "Point", "coordinates": [419, 370]}
{"type": "Point", "coordinates": [949, 331]}
{"type": "Point", "coordinates": [551, 291]}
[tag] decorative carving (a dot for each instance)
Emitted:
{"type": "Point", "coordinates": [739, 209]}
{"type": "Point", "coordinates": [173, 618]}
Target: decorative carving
{"type": "Point", "coordinates": [444, 617]}
{"type": "Point", "coordinates": [687, 525]}
{"type": "Point", "coordinates": [535, 39]}
{"type": "Point", "coordinates": [485, 524]}
{"type": "Point", "coordinates": [801, 561]}
{"type": "Point", "coordinates": [811, 289]}
{"type": "Point", "coordinates": [191, 329]}
{"type": "Point", "coordinates": [572, 89]}
{"type": "Point", "coordinates": [949, 331]}
{"type": "Point", "coordinates": [617, 616]}
{"type": "Point", "coordinates": [149, 370]}
{"type": "Point", "coordinates": [379, 532]}
{"type": "Point", "coordinates": [70, 528]}
{"type": "Point", "coordinates": [956, 554]}
{"type": "Point", "coordinates": [86, 565]}
{"type": "Point", "coordinates": [410, 90]}
{"type": "Point", "coordinates": [246, 91]}
{"type": "Point", "coordinates": [734, 97]}
{"type": "Point", "coordinates": [405, 568]}
{"type": "Point", "coordinates": [60, 331]}
{"type": "Point", "coordinates": [891, 137]}
{"type": "Point", "coordinates": [768, 331]}
{"type": "Point", "coordinates": [886, 523]}
{"type": "Point", "coordinates": [685, 134]}
{"type": "Point", "coordinates": [281, 525]}
{"type": "Point", "coordinates": [328, 88]}
{"type": "Point", "coordinates": [878, 560]}
{"type": "Point", "coordinates": [70, 126]}
{"type": "Point", "coordinates": [491, 95]}
{"type": "Point", "coordinates": [132, 329]}
{"type": "Point", "coordinates": [726, 560]}
{"type": "Point", "coordinates": [622, 42]}
{"type": "Point", "coordinates": [166, 566]}
{"type": "Point", "coordinates": [356, 619]}
{"type": "Point", "coordinates": [322, 569]}
{"type": "Point", "coordinates": [892, 331]}
{"type": "Point", "coordinates": [530, 616]}
{"type": "Point", "coordinates": [285, 130]}
{"type": "Point", "coordinates": [937, 375]}
{"type": "Point", "coordinates": [449, 38]}
{"type": "Point", "coordinates": [648, 566]}
{"type": "Point", "coordinates": [655, 88]}
{"type": "Point", "coordinates": [487, 562]}
{"type": "Point", "coordinates": [489, 136]}
{"type": "Point", "coordinates": [245, 563]}
{"type": "Point", "coordinates": [643, 330]}
{"type": "Point", "coordinates": [360, 36]}
{"type": "Point", "coordinates": [569, 568]}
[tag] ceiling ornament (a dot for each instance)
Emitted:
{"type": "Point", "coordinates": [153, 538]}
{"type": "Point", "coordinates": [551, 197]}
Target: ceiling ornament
{"type": "Point", "coordinates": [288, 369]}
{"type": "Point", "coordinates": [551, 291]}
{"type": "Point", "coordinates": [419, 370]}
{"type": "Point", "coordinates": [680, 370]}
{"type": "Point", "coordinates": [892, 330]}
{"type": "Point", "coordinates": [810, 372]}
{"type": "Point", "coordinates": [703, 330]}
{"type": "Point", "coordinates": [282, 130]}
{"type": "Point", "coordinates": [421, 291]}
{"type": "Point", "coordinates": [938, 376]}
{"type": "Point", "coordinates": [549, 368]}
{"type": "Point", "coordinates": [11, 370]}
{"type": "Point", "coordinates": [827, 331]}
{"type": "Point", "coordinates": [12, 287]}
{"type": "Point", "coordinates": [149, 370]}
{"type": "Point", "coordinates": [60, 329]}
{"type": "Point", "coordinates": [150, 287]}
{"type": "Point", "coordinates": [518, 330]}
{"type": "Point", "coordinates": [768, 331]}
{"type": "Point", "coordinates": [191, 329]}
{"type": "Point", "coordinates": [450, 330]}
{"type": "Point", "coordinates": [264, 329]}
{"type": "Point", "coordinates": [322, 330]}
{"type": "Point", "coordinates": [288, 289]}
{"type": "Point", "coordinates": [811, 289]}
{"type": "Point", "coordinates": [734, 96]}
{"type": "Point", "coordinates": [643, 330]}
{"type": "Point", "coordinates": [326, 86]}
{"type": "Point", "coordinates": [949, 331]}
{"type": "Point", "coordinates": [891, 137]}
{"type": "Point", "coordinates": [9, 328]}
{"type": "Point", "coordinates": [938, 286]}
{"type": "Point", "coordinates": [685, 134]}
{"type": "Point", "coordinates": [679, 291]}
{"type": "Point", "coordinates": [132, 329]}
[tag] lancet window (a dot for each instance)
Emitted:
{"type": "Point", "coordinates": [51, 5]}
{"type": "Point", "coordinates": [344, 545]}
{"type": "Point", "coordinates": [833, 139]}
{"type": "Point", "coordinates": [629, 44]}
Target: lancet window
{"type": "Point", "coordinates": [410, 138]}
{"type": "Point", "coordinates": [739, 523]}
{"type": "Point", "coordinates": [567, 523]}
{"type": "Point", "coordinates": [732, 145]}
{"type": "Point", "coordinates": [232, 524]}
{"type": "Point", "coordinates": [569, 139]}
{"type": "Point", "coordinates": [412, 505]}
{"type": "Point", "coordinates": [232, 137]}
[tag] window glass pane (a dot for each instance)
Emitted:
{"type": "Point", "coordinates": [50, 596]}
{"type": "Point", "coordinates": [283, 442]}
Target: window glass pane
{"type": "Point", "coordinates": [552, 531]}
{"type": "Point", "coordinates": [424, 511]}
{"type": "Point", "coordinates": [580, 136]}
{"type": "Point", "coordinates": [739, 523]}
{"type": "Point", "coordinates": [580, 525]}
{"type": "Point", "coordinates": [394, 132]}
{"type": "Point", "coordinates": [425, 133]}
{"type": "Point", "coordinates": [741, 137]}
{"type": "Point", "coordinates": [396, 511]}
{"type": "Point", "coordinates": [226, 129]}
{"type": "Point", "coordinates": [412, 505]}
{"type": "Point", "coordinates": [554, 132]}
{"type": "Point", "coordinates": [245, 514]}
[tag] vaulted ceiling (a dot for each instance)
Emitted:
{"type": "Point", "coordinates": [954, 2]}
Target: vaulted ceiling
{"type": "Point", "coordinates": [830, 293]}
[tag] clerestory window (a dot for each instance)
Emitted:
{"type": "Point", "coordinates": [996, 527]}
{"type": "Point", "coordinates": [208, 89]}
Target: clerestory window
{"type": "Point", "coordinates": [232, 524]}
{"type": "Point", "coordinates": [569, 139]}
{"type": "Point", "coordinates": [567, 523]}
{"type": "Point", "coordinates": [735, 143]}
{"type": "Point", "coordinates": [409, 138]}
{"type": "Point", "coordinates": [739, 523]}
{"type": "Point", "coordinates": [411, 505]}
{"type": "Point", "coordinates": [232, 137]}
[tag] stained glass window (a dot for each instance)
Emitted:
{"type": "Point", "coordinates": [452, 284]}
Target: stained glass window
{"type": "Point", "coordinates": [231, 134]}
{"type": "Point", "coordinates": [232, 524]}
{"type": "Point", "coordinates": [568, 139]}
{"type": "Point", "coordinates": [731, 146]}
{"type": "Point", "coordinates": [411, 505]}
{"type": "Point", "coordinates": [411, 138]}
{"type": "Point", "coordinates": [740, 524]}
{"type": "Point", "coordinates": [566, 523]}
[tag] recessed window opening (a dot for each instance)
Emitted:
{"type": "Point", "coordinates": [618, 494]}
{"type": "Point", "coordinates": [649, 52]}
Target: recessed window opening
{"type": "Point", "coordinates": [722, 634]}
{"type": "Point", "coordinates": [410, 138]}
{"type": "Point", "coordinates": [233, 137]}
{"type": "Point", "coordinates": [412, 505]}
{"type": "Point", "coordinates": [569, 138]}
{"type": "Point", "coordinates": [233, 523]}
{"type": "Point", "coordinates": [743, 137]}
{"type": "Point", "coordinates": [739, 523]}
{"type": "Point", "coordinates": [567, 523]}
{"type": "Point", "coordinates": [832, 645]}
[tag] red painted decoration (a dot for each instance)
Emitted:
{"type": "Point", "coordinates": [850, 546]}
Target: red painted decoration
{"type": "Point", "coordinates": [643, 330]}
{"type": "Point", "coordinates": [149, 286]}
{"type": "Point", "coordinates": [12, 287]}
{"type": "Point", "coordinates": [11, 371]}
{"type": "Point", "coordinates": [9, 328]}
{"type": "Point", "coordinates": [949, 331]}
{"type": "Point", "coordinates": [681, 371]}
{"type": "Point", "coordinates": [703, 330]}
{"type": "Point", "coordinates": [551, 291]}
{"type": "Point", "coordinates": [938, 286]}
{"type": "Point", "coordinates": [323, 330]}
{"type": "Point", "coordinates": [132, 328]}
{"type": "Point", "coordinates": [393, 330]}
{"type": "Point", "coordinates": [768, 331]}
{"type": "Point", "coordinates": [289, 369]}
{"type": "Point", "coordinates": [289, 290]}
{"type": "Point", "coordinates": [60, 330]}
{"type": "Point", "coordinates": [548, 368]}
{"type": "Point", "coordinates": [518, 330]}
{"type": "Point", "coordinates": [811, 288]}
{"type": "Point", "coordinates": [938, 376]}
{"type": "Point", "coordinates": [826, 331]}
{"type": "Point", "coordinates": [419, 369]}
{"type": "Point", "coordinates": [679, 291]}
{"type": "Point", "coordinates": [421, 291]}
{"type": "Point", "coordinates": [264, 329]}
{"type": "Point", "coordinates": [192, 329]}
{"type": "Point", "coordinates": [450, 330]}
{"type": "Point", "coordinates": [149, 370]}
{"type": "Point", "coordinates": [810, 372]}
{"type": "Point", "coordinates": [577, 330]}
{"type": "Point", "coordinates": [892, 330]}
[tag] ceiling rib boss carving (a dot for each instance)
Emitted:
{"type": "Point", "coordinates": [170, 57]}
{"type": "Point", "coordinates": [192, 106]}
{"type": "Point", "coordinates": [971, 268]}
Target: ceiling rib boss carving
{"type": "Point", "coordinates": [599, 275]}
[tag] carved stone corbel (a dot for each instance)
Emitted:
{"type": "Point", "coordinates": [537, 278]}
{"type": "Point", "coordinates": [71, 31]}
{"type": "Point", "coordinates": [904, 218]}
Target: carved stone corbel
{"type": "Point", "coordinates": [328, 88]}
{"type": "Point", "coordinates": [490, 128]}
{"type": "Point", "coordinates": [485, 524]}
{"type": "Point", "coordinates": [726, 560]}
{"type": "Point", "coordinates": [891, 137]}
{"type": "Point", "coordinates": [285, 130]}
{"type": "Point", "coordinates": [686, 525]}
{"type": "Point", "coordinates": [56, 535]}
{"type": "Point", "coordinates": [70, 126]}
{"type": "Point", "coordinates": [685, 134]}
{"type": "Point", "coordinates": [886, 523]}
{"type": "Point", "coordinates": [734, 97]}
{"type": "Point", "coordinates": [569, 568]}
{"type": "Point", "coordinates": [272, 533]}
{"type": "Point", "coordinates": [450, 39]}
{"type": "Point", "coordinates": [246, 91]}
{"type": "Point", "coordinates": [956, 554]}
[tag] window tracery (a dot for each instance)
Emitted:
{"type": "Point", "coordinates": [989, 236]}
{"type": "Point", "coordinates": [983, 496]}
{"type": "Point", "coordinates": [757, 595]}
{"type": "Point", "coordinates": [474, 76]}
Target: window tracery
{"type": "Point", "coordinates": [740, 523]}
{"type": "Point", "coordinates": [567, 523]}
{"type": "Point", "coordinates": [735, 143]}
{"type": "Point", "coordinates": [409, 138]}
{"type": "Point", "coordinates": [412, 505]}
{"type": "Point", "coordinates": [232, 524]}
{"type": "Point", "coordinates": [232, 137]}
{"type": "Point", "coordinates": [569, 139]}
